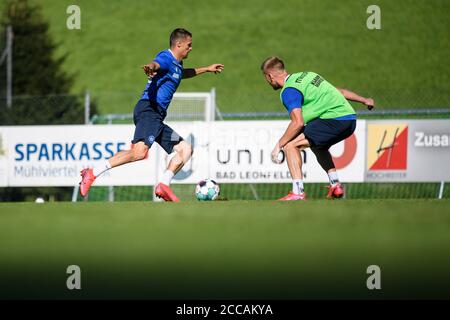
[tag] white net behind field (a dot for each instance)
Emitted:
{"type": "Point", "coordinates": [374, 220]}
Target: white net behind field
{"type": "Point", "coordinates": [185, 106]}
{"type": "Point", "coordinates": [191, 107]}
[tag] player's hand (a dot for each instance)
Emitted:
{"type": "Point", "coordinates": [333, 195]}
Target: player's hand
{"type": "Point", "coordinates": [370, 103]}
{"type": "Point", "coordinates": [149, 70]}
{"type": "Point", "coordinates": [216, 68]}
{"type": "Point", "coordinates": [275, 153]}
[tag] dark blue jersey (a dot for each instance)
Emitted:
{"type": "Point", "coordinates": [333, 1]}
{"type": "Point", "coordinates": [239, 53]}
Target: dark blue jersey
{"type": "Point", "coordinates": [160, 88]}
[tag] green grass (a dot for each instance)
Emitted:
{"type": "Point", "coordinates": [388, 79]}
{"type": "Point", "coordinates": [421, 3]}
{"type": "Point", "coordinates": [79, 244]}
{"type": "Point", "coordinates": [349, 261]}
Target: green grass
{"type": "Point", "coordinates": [226, 249]}
{"type": "Point", "coordinates": [403, 65]}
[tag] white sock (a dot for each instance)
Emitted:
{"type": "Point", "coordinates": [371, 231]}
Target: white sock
{"type": "Point", "coordinates": [297, 186]}
{"type": "Point", "coordinates": [167, 177]}
{"type": "Point", "coordinates": [334, 180]}
{"type": "Point", "coordinates": [99, 169]}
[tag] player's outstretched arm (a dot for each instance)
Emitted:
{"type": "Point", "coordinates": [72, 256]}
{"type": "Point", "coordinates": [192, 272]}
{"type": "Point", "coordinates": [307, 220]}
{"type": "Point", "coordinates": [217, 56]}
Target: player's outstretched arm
{"type": "Point", "coordinates": [151, 69]}
{"type": "Point", "coordinates": [189, 73]}
{"type": "Point", "coordinates": [349, 95]}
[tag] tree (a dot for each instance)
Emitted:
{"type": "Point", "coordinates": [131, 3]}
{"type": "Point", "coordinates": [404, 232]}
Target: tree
{"type": "Point", "coordinates": [40, 86]}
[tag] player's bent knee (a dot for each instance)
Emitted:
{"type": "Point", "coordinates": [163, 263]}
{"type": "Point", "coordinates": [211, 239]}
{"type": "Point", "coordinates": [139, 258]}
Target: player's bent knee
{"type": "Point", "coordinates": [140, 154]}
{"type": "Point", "coordinates": [289, 147]}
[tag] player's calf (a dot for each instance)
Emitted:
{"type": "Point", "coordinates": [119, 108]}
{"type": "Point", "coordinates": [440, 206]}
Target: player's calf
{"type": "Point", "coordinates": [185, 150]}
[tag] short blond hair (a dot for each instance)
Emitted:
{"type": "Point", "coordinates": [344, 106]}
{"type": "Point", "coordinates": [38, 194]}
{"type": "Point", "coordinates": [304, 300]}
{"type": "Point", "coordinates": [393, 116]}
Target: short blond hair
{"type": "Point", "coordinates": [272, 63]}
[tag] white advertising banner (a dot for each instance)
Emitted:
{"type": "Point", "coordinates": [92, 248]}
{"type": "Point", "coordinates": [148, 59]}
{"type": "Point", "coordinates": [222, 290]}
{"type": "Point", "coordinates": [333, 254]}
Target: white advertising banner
{"type": "Point", "coordinates": [240, 152]}
{"type": "Point", "coordinates": [228, 151]}
{"type": "Point", "coordinates": [55, 155]}
{"type": "Point", "coordinates": [408, 151]}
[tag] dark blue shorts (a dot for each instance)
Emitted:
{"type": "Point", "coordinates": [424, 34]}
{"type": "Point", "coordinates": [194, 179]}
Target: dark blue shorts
{"type": "Point", "coordinates": [150, 128]}
{"type": "Point", "coordinates": [327, 132]}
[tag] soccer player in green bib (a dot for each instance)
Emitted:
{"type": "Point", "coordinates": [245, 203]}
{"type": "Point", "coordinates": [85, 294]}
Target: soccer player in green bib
{"type": "Point", "coordinates": [320, 116]}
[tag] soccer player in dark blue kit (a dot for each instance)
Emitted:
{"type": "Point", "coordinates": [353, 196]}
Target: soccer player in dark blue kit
{"type": "Point", "coordinates": [164, 76]}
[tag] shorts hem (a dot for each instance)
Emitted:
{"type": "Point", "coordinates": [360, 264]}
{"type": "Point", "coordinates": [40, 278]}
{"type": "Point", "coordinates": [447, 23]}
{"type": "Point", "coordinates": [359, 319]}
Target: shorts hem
{"type": "Point", "coordinates": [134, 141]}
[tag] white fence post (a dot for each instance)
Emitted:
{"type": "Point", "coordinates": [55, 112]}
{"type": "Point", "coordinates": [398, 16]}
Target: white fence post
{"type": "Point", "coordinates": [9, 62]}
{"type": "Point", "coordinates": [441, 190]}
{"type": "Point", "coordinates": [213, 104]}
{"type": "Point", "coordinates": [87, 107]}
{"type": "Point", "coordinates": [75, 193]}
{"type": "Point", "coordinates": [111, 193]}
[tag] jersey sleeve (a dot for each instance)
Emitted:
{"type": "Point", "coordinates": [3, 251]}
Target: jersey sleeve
{"type": "Point", "coordinates": [163, 60]}
{"type": "Point", "coordinates": [292, 99]}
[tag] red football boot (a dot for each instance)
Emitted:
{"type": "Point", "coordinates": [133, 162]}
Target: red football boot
{"type": "Point", "coordinates": [87, 179]}
{"type": "Point", "coordinates": [163, 191]}
{"type": "Point", "coordinates": [293, 197]}
{"type": "Point", "coordinates": [336, 191]}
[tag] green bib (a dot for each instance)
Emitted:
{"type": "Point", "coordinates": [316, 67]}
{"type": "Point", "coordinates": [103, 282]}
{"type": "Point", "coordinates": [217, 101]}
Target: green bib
{"type": "Point", "coordinates": [320, 98]}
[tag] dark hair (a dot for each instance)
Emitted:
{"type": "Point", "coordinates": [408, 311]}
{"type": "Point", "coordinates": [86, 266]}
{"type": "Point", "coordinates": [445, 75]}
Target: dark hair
{"type": "Point", "coordinates": [272, 63]}
{"type": "Point", "coordinates": [177, 34]}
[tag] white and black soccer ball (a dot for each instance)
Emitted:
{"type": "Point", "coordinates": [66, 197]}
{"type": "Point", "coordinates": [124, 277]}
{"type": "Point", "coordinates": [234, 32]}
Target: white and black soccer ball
{"type": "Point", "coordinates": [39, 200]}
{"type": "Point", "coordinates": [207, 190]}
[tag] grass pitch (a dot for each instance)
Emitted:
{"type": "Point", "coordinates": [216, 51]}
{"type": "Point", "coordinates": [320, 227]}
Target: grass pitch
{"type": "Point", "coordinates": [226, 249]}
{"type": "Point", "coordinates": [402, 65]}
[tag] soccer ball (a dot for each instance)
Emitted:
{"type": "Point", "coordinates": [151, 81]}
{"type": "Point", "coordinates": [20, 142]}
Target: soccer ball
{"type": "Point", "coordinates": [207, 190]}
{"type": "Point", "coordinates": [39, 200]}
